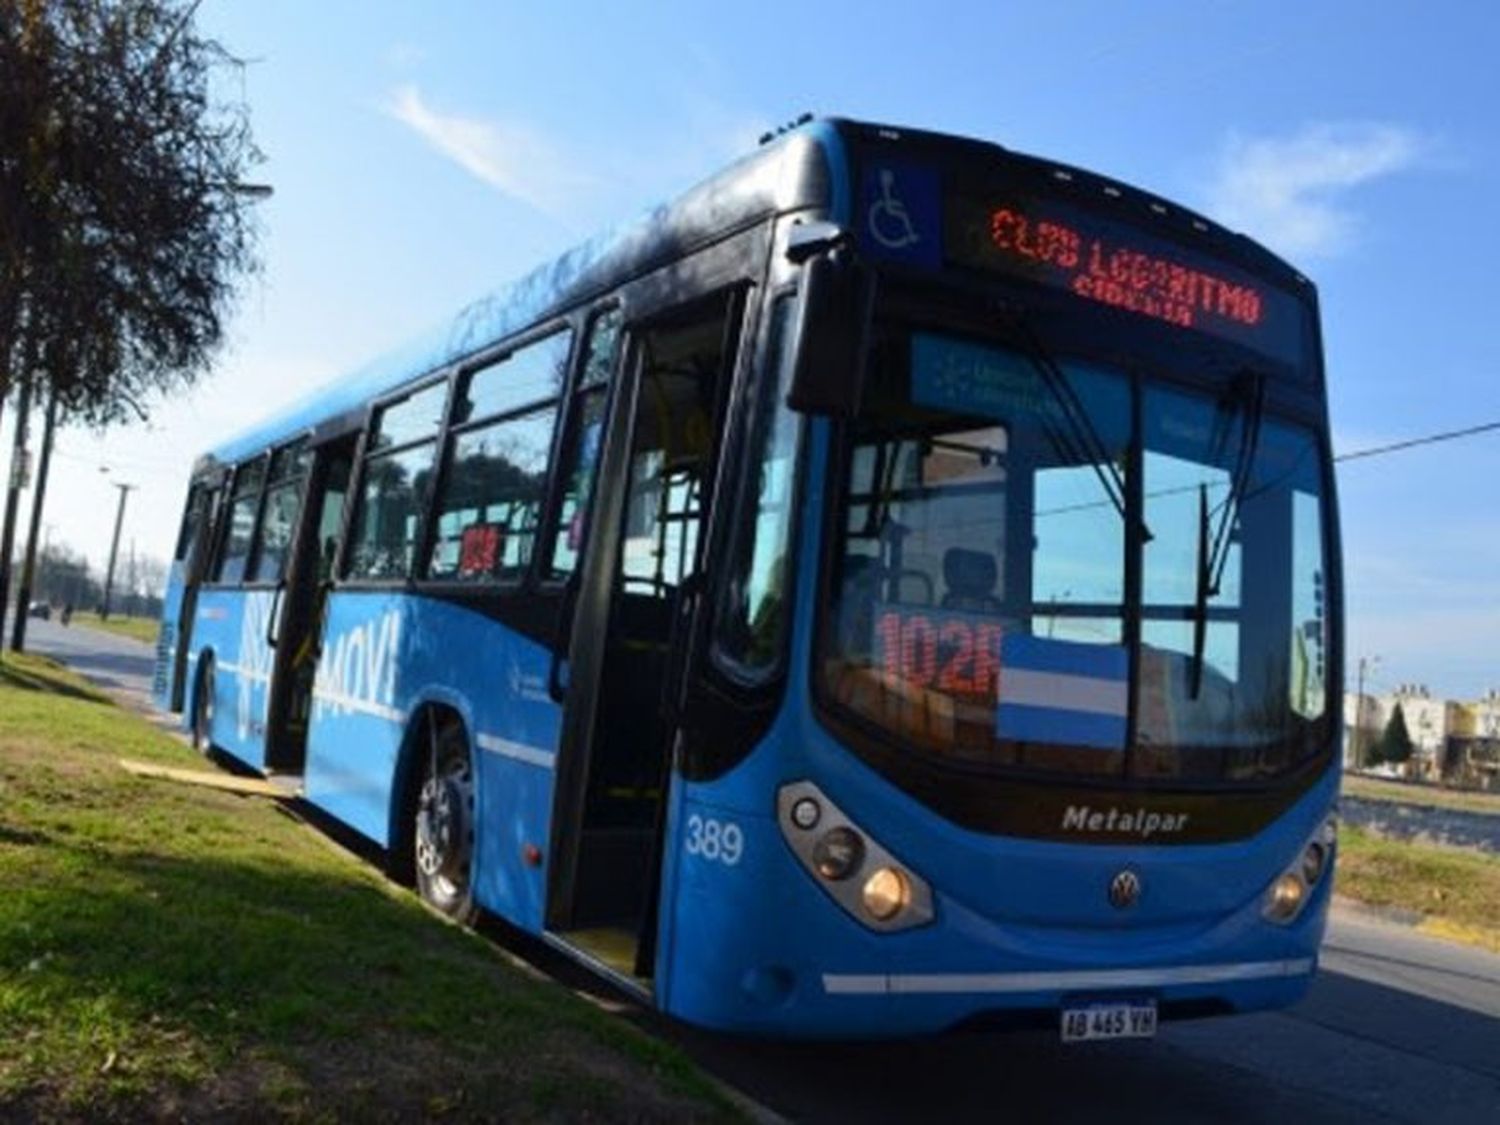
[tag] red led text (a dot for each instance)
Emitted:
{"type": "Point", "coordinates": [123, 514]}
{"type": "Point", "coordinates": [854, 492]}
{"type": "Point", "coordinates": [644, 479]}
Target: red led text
{"type": "Point", "coordinates": [1121, 276]}
{"type": "Point", "coordinates": [479, 549]}
{"type": "Point", "coordinates": [955, 655]}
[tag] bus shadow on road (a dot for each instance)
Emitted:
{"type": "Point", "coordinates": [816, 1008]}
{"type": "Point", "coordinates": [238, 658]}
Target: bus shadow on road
{"type": "Point", "coordinates": [1353, 1050]}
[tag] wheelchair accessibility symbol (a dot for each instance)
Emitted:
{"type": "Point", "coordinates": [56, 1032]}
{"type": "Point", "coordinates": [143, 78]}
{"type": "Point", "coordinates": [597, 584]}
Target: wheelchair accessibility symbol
{"type": "Point", "coordinates": [902, 214]}
{"type": "Point", "coordinates": [890, 224]}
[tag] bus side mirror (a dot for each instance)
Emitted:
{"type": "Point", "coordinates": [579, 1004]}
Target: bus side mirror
{"type": "Point", "coordinates": [836, 295]}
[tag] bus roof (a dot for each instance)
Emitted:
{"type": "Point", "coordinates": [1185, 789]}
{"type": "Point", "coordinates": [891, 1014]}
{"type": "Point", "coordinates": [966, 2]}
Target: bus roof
{"type": "Point", "coordinates": [804, 167]}
{"type": "Point", "coordinates": [790, 174]}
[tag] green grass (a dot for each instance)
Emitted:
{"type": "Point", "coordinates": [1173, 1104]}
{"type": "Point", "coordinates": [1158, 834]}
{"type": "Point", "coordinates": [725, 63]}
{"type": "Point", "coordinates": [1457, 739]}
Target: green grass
{"type": "Point", "coordinates": [1456, 892]}
{"type": "Point", "coordinates": [1431, 796]}
{"type": "Point", "coordinates": [136, 628]}
{"type": "Point", "coordinates": [169, 951]}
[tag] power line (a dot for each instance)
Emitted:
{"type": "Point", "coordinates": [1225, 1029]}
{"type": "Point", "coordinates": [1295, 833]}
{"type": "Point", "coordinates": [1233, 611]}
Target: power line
{"type": "Point", "coordinates": [1411, 443]}
{"type": "Point", "coordinates": [1373, 451]}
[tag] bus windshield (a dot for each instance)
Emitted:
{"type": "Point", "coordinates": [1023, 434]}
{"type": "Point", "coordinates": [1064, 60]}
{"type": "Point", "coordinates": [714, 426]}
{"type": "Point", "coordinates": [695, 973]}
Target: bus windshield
{"type": "Point", "coordinates": [994, 602]}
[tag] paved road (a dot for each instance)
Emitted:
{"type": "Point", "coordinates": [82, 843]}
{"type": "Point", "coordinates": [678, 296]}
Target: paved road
{"type": "Point", "coordinates": [1398, 1027]}
{"type": "Point", "coordinates": [114, 662]}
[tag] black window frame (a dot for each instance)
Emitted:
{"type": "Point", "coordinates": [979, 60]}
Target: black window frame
{"type": "Point", "coordinates": [365, 453]}
{"type": "Point", "coordinates": [563, 323]}
{"type": "Point", "coordinates": [225, 530]}
{"type": "Point", "coordinates": [187, 527]}
{"type": "Point", "coordinates": [739, 529]}
{"type": "Point", "coordinates": [301, 447]}
{"type": "Point", "coordinates": [566, 436]}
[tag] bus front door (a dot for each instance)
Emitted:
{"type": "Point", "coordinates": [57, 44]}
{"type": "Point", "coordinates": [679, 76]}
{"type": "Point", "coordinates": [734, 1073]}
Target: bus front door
{"type": "Point", "coordinates": [633, 615]}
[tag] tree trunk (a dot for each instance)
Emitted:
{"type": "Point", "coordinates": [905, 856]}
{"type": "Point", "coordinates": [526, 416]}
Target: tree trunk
{"type": "Point", "coordinates": [39, 493]}
{"type": "Point", "coordinates": [13, 497]}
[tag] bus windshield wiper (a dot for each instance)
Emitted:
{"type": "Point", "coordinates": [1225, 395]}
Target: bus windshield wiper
{"type": "Point", "coordinates": [1213, 549]}
{"type": "Point", "coordinates": [1085, 445]}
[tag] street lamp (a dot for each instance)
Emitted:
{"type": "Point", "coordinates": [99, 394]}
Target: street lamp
{"type": "Point", "coordinates": [252, 191]}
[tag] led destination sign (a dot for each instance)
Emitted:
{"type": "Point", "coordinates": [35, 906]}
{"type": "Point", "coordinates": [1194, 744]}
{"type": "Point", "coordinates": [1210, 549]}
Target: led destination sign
{"type": "Point", "coordinates": [1116, 265]}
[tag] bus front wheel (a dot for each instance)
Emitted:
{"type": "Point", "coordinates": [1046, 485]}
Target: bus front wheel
{"type": "Point", "coordinates": [443, 832]}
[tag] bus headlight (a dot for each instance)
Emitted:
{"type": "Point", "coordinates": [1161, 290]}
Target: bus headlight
{"type": "Point", "coordinates": [866, 880]}
{"type": "Point", "coordinates": [1293, 887]}
{"type": "Point", "coordinates": [838, 853]}
{"type": "Point", "coordinates": [1314, 860]}
{"type": "Point", "coordinates": [1285, 899]}
{"type": "Point", "coordinates": [886, 893]}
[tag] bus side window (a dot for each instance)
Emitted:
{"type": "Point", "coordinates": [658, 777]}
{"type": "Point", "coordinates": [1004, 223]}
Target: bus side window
{"type": "Point", "coordinates": [752, 616]}
{"type": "Point", "coordinates": [581, 448]}
{"type": "Point", "coordinates": [278, 521]}
{"type": "Point", "coordinates": [395, 484]}
{"type": "Point", "coordinates": [244, 502]}
{"type": "Point", "coordinates": [193, 517]}
{"type": "Point", "coordinates": [495, 469]}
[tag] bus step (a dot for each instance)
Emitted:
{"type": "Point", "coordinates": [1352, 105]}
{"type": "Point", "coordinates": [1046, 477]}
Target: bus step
{"type": "Point", "coordinates": [287, 785]}
{"type": "Point", "coordinates": [611, 946]}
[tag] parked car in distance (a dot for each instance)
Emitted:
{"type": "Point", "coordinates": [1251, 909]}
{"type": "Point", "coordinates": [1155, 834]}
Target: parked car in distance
{"type": "Point", "coordinates": [40, 610]}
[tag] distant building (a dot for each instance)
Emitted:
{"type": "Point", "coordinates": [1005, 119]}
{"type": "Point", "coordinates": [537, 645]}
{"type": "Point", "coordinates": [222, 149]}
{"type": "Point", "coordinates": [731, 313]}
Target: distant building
{"type": "Point", "coordinates": [1474, 743]}
{"type": "Point", "coordinates": [1451, 740]}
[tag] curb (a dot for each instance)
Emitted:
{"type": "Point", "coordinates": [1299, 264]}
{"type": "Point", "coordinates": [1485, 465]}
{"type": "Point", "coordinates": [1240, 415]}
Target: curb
{"type": "Point", "coordinates": [1394, 915]}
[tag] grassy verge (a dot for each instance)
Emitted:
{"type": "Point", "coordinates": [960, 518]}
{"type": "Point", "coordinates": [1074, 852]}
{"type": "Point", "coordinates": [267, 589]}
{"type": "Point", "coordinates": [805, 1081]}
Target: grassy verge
{"type": "Point", "coordinates": [1430, 796]}
{"type": "Point", "coordinates": [1456, 892]}
{"type": "Point", "coordinates": [170, 952]}
{"type": "Point", "coordinates": [136, 628]}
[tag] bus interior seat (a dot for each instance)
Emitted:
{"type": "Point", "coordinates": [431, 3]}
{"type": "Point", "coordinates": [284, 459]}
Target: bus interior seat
{"type": "Point", "coordinates": [971, 577]}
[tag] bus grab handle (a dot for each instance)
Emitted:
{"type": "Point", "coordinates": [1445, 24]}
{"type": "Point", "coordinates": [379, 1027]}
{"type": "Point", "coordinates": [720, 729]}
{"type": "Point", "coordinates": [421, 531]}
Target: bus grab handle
{"type": "Point", "coordinates": [275, 611]}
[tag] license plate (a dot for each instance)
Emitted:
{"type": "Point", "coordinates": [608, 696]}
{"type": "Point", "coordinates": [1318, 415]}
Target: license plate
{"type": "Point", "coordinates": [1123, 1020]}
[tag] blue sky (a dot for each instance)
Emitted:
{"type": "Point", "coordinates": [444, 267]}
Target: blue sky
{"type": "Point", "coordinates": [421, 154]}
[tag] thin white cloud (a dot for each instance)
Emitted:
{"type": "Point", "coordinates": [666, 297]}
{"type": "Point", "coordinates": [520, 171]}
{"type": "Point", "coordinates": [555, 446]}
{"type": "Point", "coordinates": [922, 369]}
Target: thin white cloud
{"type": "Point", "coordinates": [405, 56]}
{"type": "Point", "coordinates": [1292, 192]}
{"type": "Point", "coordinates": [514, 159]}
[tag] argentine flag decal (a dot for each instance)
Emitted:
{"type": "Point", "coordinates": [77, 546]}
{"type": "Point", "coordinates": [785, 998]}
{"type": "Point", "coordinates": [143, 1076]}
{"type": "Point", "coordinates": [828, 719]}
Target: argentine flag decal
{"type": "Point", "coordinates": [1062, 692]}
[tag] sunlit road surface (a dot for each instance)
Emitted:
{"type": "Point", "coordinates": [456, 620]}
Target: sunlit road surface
{"type": "Point", "coordinates": [1397, 1027]}
{"type": "Point", "coordinates": [114, 662]}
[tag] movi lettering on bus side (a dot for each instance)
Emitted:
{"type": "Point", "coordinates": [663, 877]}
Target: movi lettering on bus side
{"type": "Point", "coordinates": [254, 666]}
{"type": "Point", "coordinates": [357, 671]}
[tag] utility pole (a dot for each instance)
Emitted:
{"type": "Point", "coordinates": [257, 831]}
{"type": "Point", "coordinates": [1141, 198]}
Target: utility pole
{"type": "Point", "coordinates": [1359, 711]}
{"type": "Point", "coordinates": [114, 549]}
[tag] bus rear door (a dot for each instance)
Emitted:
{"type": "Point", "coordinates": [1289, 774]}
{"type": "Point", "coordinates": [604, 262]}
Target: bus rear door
{"type": "Point", "coordinates": [303, 595]}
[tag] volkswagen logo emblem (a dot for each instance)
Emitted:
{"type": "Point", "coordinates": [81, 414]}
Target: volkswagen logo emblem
{"type": "Point", "coordinates": [1124, 889]}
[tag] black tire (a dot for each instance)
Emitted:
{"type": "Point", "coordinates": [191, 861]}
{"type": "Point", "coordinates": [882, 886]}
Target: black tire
{"type": "Point", "coordinates": [203, 708]}
{"type": "Point", "coordinates": [443, 824]}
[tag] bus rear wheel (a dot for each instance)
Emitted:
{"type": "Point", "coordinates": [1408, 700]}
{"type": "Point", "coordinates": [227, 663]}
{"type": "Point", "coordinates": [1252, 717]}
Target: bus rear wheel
{"type": "Point", "coordinates": [203, 709]}
{"type": "Point", "coordinates": [443, 831]}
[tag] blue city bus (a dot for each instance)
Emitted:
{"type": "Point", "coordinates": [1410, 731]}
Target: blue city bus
{"type": "Point", "coordinates": [894, 586]}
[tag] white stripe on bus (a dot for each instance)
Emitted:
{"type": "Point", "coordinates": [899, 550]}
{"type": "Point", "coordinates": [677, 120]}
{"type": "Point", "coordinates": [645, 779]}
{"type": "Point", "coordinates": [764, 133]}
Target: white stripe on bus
{"type": "Point", "coordinates": [854, 984]}
{"type": "Point", "coordinates": [1061, 692]}
{"type": "Point", "coordinates": [238, 670]}
{"type": "Point", "coordinates": [517, 750]}
{"type": "Point", "coordinates": [340, 701]}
